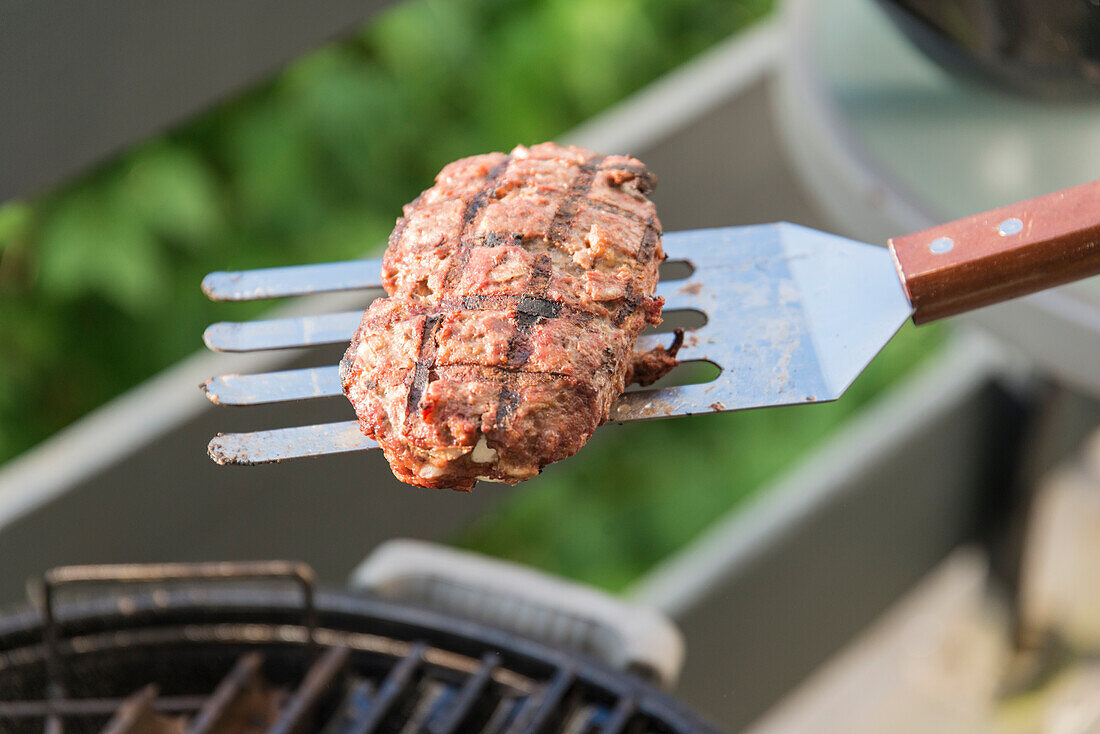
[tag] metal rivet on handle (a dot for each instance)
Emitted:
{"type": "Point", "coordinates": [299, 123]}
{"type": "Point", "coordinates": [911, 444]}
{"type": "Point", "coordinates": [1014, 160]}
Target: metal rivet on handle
{"type": "Point", "coordinates": [941, 245]}
{"type": "Point", "coordinates": [1010, 226]}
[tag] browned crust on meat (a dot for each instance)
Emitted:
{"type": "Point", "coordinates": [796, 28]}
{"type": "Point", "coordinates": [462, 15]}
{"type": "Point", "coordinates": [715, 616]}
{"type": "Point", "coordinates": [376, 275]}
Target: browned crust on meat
{"type": "Point", "coordinates": [518, 286]}
{"type": "Point", "coordinates": [648, 367]}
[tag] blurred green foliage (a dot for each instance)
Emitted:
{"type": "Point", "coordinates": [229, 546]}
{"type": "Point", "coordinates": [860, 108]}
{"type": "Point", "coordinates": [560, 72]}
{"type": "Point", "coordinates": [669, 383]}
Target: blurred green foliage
{"type": "Point", "coordinates": [99, 281]}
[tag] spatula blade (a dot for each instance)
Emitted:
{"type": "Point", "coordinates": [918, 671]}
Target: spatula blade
{"type": "Point", "coordinates": [793, 314]}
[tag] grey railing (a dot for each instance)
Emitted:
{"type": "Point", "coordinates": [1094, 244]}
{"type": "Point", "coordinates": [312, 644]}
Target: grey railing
{"type": "Point", "coordinates": [86, 79]}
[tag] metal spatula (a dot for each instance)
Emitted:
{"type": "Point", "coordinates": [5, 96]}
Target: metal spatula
{"type": "Point", "coordinates": [793, 315]}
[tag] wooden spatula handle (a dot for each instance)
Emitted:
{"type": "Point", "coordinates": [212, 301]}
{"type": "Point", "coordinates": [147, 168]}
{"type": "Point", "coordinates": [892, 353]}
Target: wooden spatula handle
{"type": "Point", "coordinates": [1001, 254]}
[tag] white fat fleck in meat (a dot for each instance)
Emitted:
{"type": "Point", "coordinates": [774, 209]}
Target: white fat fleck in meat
{"type": "Point", "coordinates": [429, 472]}
{"type": "Point", "coordinates": [593, 237]}
{"type": "Point", "coordinates": [586, 257]}
{"type": "Point", "coordinates": [482, 454]}
{"type": "Point", "coordinates": [395, 399]}
{"type": "Point", "coordinates": [509, 269]}
{"type": "Point", "coordinates": [603, 286]}
{"type": "Point", "coordinates": [449, 453]}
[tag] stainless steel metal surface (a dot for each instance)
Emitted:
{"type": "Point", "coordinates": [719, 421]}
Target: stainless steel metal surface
{"type": "Point", "coordinates": [299, 280]}
{"type": "Point", "coordinates": [793, 315]}
{"type": "Point", "coordinates": [262, 447]}
{"type": "Point", "coordinates": [302, 331]}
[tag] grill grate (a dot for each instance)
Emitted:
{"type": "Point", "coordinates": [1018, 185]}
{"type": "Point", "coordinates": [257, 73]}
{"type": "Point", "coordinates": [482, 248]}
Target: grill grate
{"type": "Point", "coordinates": [183, 662]}
{"type": "Point", "coordinates": [471, 708]}
{"type": "Point", "coordinates": [241, 694]}
{"type": "Point", "coordinates": [332, 699]}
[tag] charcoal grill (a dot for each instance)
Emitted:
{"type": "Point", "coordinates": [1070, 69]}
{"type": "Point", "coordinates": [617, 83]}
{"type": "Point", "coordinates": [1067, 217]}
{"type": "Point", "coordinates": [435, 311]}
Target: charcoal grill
{"type": "Point", "coordinates": [244, 657]}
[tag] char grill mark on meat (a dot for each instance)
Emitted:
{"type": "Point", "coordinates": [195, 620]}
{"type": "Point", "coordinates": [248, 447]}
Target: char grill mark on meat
{"type": "Point", "coordinates": [519, 346]}
{"type": "Point", "coordinates": [474, 206]}
{"type": "Point", "coordinates": [425, 362]}
{"type": "Point", "coordinates": [570, 205]}
{"type": "Point", "coordinates": [520, 349]}
{"type": "Point", "coordinates": [518, 286]}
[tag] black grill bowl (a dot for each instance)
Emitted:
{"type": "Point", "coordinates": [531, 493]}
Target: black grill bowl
{"type": "Point", "coordinates": [399, 668]}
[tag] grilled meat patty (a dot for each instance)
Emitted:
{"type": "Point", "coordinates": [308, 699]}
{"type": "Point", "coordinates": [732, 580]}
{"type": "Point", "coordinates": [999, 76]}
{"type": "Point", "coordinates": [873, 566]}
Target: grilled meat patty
{"type": "Point", "coordinates": [518, 285]}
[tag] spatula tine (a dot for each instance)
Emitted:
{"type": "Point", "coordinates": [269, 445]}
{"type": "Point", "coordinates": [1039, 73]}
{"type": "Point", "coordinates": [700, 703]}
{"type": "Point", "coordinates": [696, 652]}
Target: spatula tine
{"type": "Point", "coordinates": [308, 331]}
{"type": "Point", "coordinates": [274, 387]}
{"type": "Point", "coordinates": [263, 447]}
{"type": "Point", "coordinates": [289, 333]}
{"type": "Point", "coordinates": [301, 280]}
{"type": "Point", "coordinates": [706, 397]}
{"type": "Point", "coordinates": [324, 382]}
